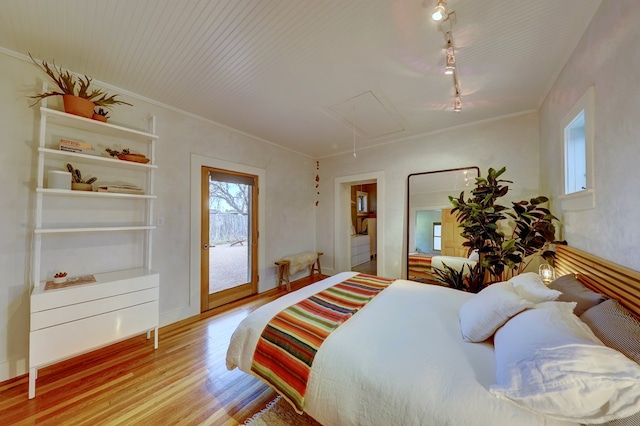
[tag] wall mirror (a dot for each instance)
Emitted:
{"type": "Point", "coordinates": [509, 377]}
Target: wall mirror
{"type": "Point", "coordinates": [431, 228]}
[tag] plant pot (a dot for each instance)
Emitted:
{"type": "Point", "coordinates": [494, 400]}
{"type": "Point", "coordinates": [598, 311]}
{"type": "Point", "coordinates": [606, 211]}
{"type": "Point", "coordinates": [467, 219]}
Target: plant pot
{"type": "Point", "coordinates": [78, 106]}
{"type": "Point", "coordinates": [81, 186]}
{"type": "Point", "coordinates": [99, 117]}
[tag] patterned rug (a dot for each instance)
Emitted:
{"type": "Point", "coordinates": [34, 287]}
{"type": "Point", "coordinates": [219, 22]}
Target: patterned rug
{"type": "Point", "coordinates": [280, 413]}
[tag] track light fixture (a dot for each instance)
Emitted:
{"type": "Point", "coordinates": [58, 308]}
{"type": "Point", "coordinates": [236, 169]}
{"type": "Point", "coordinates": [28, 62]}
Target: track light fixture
{"type": "Point", "coordinates": [450, 64]}
{"type": "Point", "coordinates": [457, 103]}
{"type": "Point", "coordinates": [446, 27]}
{"type": "Point", "coordinates": [440, 11]}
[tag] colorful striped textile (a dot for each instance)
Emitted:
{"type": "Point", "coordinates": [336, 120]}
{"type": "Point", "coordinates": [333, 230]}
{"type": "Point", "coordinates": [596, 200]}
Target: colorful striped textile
{"type": "Point", "coordinates": [289, 342]}
{"type": "Point", "coordinates": [420, 262]}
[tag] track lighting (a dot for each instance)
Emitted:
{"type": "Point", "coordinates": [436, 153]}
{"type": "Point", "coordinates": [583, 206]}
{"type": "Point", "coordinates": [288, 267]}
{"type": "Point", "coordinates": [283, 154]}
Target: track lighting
{"type": "Point", "coordinates": [450, 65]}
{"type": "Point", "coordinates": [457, 106]}
{"type": "Point", "coordinates": [440, 11]}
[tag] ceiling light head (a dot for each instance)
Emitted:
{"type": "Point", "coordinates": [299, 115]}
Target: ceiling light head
{"type": "Point", "coordinates": [450, 65]}
{"type": "Point", "coordinates": [440, 11]}
{"type": "Point", "coordinates": [457, 106]}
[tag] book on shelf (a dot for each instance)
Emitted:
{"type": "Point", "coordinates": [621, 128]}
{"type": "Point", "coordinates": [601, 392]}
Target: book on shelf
{"type": "Point", "coordinates": [121, 189]}
{"type": "Point", "coordinates": [68, 145]}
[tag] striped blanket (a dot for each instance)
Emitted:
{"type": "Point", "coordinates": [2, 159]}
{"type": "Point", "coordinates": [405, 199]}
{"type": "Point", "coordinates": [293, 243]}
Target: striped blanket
{"type": "Point", "coordinates": [289, 342]}
{"type": "Point", "coordinates": [420, 262]}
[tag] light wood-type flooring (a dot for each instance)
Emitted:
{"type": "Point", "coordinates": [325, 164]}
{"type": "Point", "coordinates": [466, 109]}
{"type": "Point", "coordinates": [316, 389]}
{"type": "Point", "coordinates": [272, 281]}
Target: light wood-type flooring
{"type": "Point", "coordinates": [185, 381]}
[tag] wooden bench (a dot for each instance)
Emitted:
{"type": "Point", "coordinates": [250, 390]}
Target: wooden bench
{"type": "Point", "coordinates": [284, 267]}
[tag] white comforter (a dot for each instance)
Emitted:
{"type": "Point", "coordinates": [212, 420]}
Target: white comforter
{"type": "Point", "coordinates": [401, 360]}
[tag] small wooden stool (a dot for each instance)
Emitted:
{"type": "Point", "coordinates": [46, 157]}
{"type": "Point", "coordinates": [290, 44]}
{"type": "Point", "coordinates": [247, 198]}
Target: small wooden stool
{"type": "Point", "coordinates": [283, 271]}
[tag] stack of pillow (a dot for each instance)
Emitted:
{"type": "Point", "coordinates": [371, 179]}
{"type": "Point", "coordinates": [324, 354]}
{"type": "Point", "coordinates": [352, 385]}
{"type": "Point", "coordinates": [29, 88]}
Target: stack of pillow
{"type": "Point", "coordinates": [550, 355]}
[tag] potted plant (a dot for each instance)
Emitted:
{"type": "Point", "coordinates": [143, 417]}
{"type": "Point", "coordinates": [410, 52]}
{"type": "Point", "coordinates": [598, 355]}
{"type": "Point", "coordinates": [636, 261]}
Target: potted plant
{"type": "Point", "coordinates": [483, 219]}
{"type": "Point", "coordinates": [100, 114]}
{"type": "Point", "coordinates": [78, 183]}
{"type": "Point", "coordinates": [77, 96]}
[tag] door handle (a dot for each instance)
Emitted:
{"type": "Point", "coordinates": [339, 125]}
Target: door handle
{"type": "Point", "coordinates": [205, 246]}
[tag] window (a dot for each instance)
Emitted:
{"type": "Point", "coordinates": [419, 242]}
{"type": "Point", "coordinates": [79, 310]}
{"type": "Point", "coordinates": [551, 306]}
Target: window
{"type": "Point", "coordinates": [437, 236]}
{"type": "Point", "coordinates": [575, 157]}
{"type": "Point", "coordinates": [578, 140]}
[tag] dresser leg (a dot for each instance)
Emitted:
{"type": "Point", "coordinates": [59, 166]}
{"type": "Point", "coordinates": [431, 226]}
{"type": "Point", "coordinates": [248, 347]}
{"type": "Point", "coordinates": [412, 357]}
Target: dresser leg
{"type": "Point", "coordinates": [33, 375]}
{"type": "Point", "coordinates": [155, 338]}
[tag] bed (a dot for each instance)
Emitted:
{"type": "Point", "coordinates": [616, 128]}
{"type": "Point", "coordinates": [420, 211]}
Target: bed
{"type": "Point", "coordinates": [421, 265]}
{"type": "Point", "coordinates": [401, 358]}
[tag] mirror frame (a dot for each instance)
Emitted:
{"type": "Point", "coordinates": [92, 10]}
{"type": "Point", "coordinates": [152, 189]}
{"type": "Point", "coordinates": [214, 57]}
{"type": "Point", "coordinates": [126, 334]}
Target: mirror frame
{"type": "Point", "coordinates": [408, 216]}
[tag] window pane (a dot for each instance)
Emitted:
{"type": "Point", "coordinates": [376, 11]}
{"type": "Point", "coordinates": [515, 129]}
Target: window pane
{"type": "Point", "coordinates": [575, 155]}
{"type": "Point", "coordinates": [437, 236]}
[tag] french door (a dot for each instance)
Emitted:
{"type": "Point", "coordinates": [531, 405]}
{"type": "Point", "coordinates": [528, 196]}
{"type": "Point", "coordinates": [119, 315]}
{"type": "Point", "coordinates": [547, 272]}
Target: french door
{"type": "Point", "coordinates": [229, 237]}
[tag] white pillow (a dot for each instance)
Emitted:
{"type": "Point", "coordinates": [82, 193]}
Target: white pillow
{"type": "Point", "coordinates": [550, 362]}
{"type": "Point", "coordinates": [530, 286]}
{"type": "Point", "coordinates": [485, 312]}
{"type": "Point", "coordinates": [475, 256]}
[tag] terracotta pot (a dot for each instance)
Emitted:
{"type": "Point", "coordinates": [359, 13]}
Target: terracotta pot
{"type": "Point", "coordinates": [81, 186]}
{"type": "Point", "coordinates": [78, 106]}
{"type": "Point", "coordinates": [99, 117]}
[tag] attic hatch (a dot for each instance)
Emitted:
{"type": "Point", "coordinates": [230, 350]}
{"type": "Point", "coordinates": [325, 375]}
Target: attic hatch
{"type": "Point", "coordinates": [370, 114]}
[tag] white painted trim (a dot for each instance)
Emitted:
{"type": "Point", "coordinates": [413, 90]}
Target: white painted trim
{"type": "Point", "coordinates": [197, 161]}
{"type": "Point", "coordinates": [583, 199]}
{"type": "Point", "coordinates": [342, 215]}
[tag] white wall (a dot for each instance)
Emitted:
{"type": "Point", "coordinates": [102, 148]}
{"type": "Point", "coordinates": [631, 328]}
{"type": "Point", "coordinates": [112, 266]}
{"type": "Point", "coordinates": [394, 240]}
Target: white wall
{"type": "Point", "coordinates": [607, 57]}
{"type": "Point", "coordinates": [510, 142]}
{"type": "Point", "coordinates": [289, 209]}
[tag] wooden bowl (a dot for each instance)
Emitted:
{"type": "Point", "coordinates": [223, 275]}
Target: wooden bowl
{"type": "Point", "coordinates": [138, 158]}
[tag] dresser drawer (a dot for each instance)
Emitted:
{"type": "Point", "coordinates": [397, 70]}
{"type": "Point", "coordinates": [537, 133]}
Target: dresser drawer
{"type": "Point", "coordinates": [62, 341]}
{"type": "Point", "coordinates": [78, 311]}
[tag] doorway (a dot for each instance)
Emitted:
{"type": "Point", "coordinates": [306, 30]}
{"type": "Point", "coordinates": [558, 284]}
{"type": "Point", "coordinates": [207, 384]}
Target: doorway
{"type": "Point", "coordinates": [229, 212]}
{"type": "Point", "coordinates": [364, 226]}
{"type": "Point", "coordinates": [342, 219]}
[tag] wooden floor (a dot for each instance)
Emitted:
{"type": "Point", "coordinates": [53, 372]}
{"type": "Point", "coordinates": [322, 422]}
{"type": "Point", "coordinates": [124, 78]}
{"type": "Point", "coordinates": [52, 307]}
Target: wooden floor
{"type": "Point", "coordinates": [185, 381]}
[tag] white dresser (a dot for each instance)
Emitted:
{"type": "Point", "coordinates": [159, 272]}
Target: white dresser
{"type": "Point", "coordinates": [74, 320]}
{"type": "Point", "coordinates": [360, 249]}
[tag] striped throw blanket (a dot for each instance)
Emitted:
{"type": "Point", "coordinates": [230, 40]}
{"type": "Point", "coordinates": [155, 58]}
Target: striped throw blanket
{"type": "Point", "coordinates": [289, 342]}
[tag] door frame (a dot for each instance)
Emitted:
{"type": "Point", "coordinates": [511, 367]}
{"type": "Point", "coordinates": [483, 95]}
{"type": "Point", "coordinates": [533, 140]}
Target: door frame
{"type": "Point", "coordinates": [197, 161]}
{"type": "Point", "coordinates": [213, 300]}
{"type": "Point", "coordinates": [342, 219]}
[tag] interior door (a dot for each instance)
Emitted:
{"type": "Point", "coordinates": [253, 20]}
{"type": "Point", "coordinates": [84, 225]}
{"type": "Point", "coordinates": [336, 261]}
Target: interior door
{"type": "Point", "coordinates": [451, 238]}
{"type": "Point", "coordinates": [229, 238]}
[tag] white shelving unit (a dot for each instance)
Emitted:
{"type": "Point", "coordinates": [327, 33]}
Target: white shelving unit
{"type": "Point", "coordinates": [69, 321]}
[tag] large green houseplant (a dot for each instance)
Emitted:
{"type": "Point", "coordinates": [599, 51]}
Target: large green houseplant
{"type": "Point", "coordinates": [483, 221]}
{"type": "Point", "coordinates": [78, 97]}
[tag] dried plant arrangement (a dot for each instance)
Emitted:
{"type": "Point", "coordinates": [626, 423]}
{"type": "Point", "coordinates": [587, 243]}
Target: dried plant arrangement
{"type": "Point", "coordinates": [70, 84]}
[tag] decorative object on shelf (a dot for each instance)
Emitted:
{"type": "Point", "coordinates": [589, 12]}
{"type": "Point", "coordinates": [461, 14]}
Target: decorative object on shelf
{"type": "Point", "coordinates": [127, 155]}
{"type": "Point", "coordinates": [69, 282]}
{"type": "Point", "coordinates": [78, 183]}
{"type": "Point", "coordinates": [59, 179]}
{"type": "Point", "coordinates": [78, 102]}
{"type": "Point", "coordinates": [121, 189]}
{"type": "Point", "coordinates": [101, 114]}
{"type": "Point", "coordinates": [60, 277]}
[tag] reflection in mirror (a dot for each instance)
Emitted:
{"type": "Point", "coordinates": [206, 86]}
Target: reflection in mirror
{"type": "Point", "coordinates": [432, 231]}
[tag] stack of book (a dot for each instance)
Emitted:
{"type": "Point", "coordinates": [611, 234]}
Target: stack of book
{"type": "Point", "coordinates": [122, 189]}
{"type": "Point", "coordinates": [75, 146]}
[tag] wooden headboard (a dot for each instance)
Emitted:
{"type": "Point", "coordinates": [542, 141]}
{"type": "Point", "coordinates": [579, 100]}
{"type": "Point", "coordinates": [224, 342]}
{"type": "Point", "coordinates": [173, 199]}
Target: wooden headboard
{"type": "Point", "coordinates": [608, 278]}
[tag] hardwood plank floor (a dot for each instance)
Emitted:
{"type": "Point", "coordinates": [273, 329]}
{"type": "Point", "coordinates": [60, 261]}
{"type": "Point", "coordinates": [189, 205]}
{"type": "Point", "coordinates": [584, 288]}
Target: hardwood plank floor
{"type": "Point", "coordinates": [184, 382]}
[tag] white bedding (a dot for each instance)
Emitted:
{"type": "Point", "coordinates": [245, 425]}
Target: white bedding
{"type": "Point", "coordinates": [401, 360]}
{"type": "Point", "coordinates": [456, 263]}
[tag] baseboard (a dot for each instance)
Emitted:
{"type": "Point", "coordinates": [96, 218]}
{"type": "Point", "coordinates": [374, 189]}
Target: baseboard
{"type": "Point", "coordinates": [11, 369]}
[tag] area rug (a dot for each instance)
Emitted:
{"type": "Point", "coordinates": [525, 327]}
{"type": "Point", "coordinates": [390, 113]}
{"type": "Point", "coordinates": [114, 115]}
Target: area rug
{"type": "Point", "coordinates": [280, 413]}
